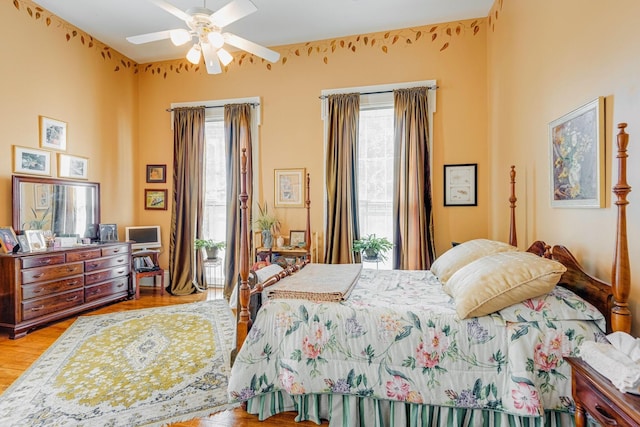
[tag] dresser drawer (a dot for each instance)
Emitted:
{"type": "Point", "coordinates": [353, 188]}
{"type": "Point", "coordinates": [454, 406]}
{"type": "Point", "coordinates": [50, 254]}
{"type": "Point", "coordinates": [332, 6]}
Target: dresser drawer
{"type": "Point", "coordinates": [105, 289]}
{"type": "Point", "coordinates": [84, 255]}
{"type": "Point", "coordinates": [598, 406]}
{"type": "Point", "coordinates": [104, 275]}
{"type": "Point", "coordinates": [43, 274]}
{"type": "Point", "coordinates": [103, 263]}
{"type": "Point", "coordinates": [115, 250]}
{"type": "Point", "coordinates": [42, 261]}
{"type": "Point", "coordinates": [41, 289]}
{"type": "Point", "coordinates": [41, 306]}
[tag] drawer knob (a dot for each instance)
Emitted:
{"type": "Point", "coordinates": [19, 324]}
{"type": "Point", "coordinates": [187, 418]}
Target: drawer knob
{"type": "Point", "coordinates": [94, 265]}
{"type": "Point", "coordinates": [608, 419]}
{"type": "Point", "coordinates": [37, 276]}
{"type": "Point", "coordinates": [45, 261]}
{"type": "Point", "coordinates": [73, 298]}
{"type": "Point", "coordinates": [121, 271]}
{"type": "Point", "coordinates": [37, 308]}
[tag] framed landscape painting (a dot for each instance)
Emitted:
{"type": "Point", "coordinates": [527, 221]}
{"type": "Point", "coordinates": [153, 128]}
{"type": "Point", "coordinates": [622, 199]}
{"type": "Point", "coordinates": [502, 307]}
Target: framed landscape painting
{"type": "Point", "coordinates": [576, 143]}
{"type": "Point", "coordinates": [30, 161]}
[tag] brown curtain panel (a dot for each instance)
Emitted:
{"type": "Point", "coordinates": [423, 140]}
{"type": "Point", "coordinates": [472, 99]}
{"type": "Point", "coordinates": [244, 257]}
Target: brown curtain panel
{"type": "Point", "coordinates": [341, 175]}
{"type": "Point", "coordinates": [413, 216]}
{"type": "Point", "coordinates": [237, 134]}
{"type": "Point", "coordinates": [185, 267]}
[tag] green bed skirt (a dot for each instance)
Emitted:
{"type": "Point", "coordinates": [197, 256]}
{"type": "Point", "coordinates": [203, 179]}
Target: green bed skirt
{"type": "Point", "coordinates": [347, 411]}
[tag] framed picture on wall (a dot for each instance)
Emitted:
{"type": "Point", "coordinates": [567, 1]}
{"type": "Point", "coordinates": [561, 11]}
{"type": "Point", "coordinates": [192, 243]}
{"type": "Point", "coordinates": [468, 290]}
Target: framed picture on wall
{"type": "Point", "coordinates": [155, 199]}
{"type": "Point", "coordinates": [53, 133]}
{"type": "Point", "coordinates": [461, 184]}
{"type": "Point", "coordinates": [157, 173]}
{"type": "Point", "coordinates": [289, 188]}
{"type": "Point", "coordinates": [73, 166]}
{"type": "Point", "coordinates": [30, 161]}
{"type": "Point", "coordinates": [576, 143]}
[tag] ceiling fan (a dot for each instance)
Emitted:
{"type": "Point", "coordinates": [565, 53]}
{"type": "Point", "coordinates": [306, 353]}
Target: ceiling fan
{"type": "Point", "coordinates": [206, 27]}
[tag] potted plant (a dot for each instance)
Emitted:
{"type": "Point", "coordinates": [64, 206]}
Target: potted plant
{"type": "Point", "coordinates": [268, 224]}
{"type": "Point", "coordinates": [373, 248]}
{"type": "Point", "coordinates": [210, 246]}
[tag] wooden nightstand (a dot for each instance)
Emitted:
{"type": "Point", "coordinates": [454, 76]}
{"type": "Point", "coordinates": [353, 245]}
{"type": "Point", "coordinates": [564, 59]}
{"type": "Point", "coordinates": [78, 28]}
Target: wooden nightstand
{"type": "Point", "coordinates": [594, 393]}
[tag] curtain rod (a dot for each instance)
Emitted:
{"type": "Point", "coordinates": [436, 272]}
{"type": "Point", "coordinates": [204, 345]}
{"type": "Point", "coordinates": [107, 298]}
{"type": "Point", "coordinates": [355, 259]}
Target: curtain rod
{"type": "Point", "coordinates": [253, 104]}
{"type": "Point", "coordinates": [382, 91]}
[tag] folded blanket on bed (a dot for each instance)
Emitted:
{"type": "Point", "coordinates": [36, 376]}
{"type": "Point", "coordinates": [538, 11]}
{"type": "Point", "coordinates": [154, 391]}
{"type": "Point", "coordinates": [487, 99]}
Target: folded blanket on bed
{"type": "Point", "coordinates": [318, 282]}
{"type": "Point", "coordinates": [623, 372]}
{"type": "Point", "coordinates": [626, 344]}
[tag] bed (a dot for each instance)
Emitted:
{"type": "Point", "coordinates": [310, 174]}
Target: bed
{"type": "Point", "coordinates": [399, 351]}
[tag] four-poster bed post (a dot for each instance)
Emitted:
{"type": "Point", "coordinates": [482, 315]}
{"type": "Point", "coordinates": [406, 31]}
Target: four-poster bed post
{"type": "Point", "coordinates": [620, 272]}
{"type": "Point", "coordinates": [513, 238]}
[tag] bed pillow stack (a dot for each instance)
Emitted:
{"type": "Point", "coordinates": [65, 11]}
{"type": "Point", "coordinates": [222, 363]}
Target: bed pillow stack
{"type": "Point", "coordinates": [465, 253]}
{"type": "Point", "coordinates": [484, 276]}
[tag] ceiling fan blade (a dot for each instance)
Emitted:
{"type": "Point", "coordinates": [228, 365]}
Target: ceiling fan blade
{"type": "Point", "coordinates": [233, 11]}
{"type": "Point", "coordinates": [171, 9]}
{"type": "Point", "coordinates": [210, 58]}
{"type": "Point", "coordinates": [251, 47]}
{"type": "Point", "coordinates": [149, 37]}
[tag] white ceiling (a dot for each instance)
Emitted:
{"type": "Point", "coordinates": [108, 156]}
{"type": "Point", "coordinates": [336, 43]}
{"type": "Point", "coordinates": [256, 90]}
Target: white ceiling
{"type": "Point", "coordinates": [277, 22]}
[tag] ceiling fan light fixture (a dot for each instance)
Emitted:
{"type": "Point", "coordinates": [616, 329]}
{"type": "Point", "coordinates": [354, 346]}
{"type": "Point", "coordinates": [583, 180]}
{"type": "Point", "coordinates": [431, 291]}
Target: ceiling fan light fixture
{"type": "Point", "coordinates": [224, 56]}
{"type": "Point", "coordinates": [194, 54]}
{"type": "Point", "coordinates": [216, 39]}
{"type": "Point", "coordinates": [179, 37]}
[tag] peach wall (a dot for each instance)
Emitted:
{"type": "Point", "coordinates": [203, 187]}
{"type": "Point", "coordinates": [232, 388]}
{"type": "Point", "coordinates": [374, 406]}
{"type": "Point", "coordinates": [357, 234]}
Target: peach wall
{"type": "Point", "coordinates": [291, 134]}
{"type": "Point", "coordinates": [44, 74]}
{"type": "Point", "coordinates": [546, 58]}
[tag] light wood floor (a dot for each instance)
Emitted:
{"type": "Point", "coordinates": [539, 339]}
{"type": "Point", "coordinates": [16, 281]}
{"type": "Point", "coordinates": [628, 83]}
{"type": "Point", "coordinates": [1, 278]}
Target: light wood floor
{"type": "Point", "coordinates": [17, 355]}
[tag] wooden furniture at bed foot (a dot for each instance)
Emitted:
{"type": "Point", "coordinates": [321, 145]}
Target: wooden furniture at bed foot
{"type": "Point", "coordinates": [37, 288]}
{"type": "Point", "coordinates": [595, 394]}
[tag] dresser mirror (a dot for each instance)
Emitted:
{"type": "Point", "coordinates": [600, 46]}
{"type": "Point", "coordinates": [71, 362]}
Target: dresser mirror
{"type": "Point", "coordinates": [66, 208]}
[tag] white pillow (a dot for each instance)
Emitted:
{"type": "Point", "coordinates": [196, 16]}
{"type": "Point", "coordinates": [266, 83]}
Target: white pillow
{"type": "Point", "coordinates": [261, 275]}
{"type": "Point", "coordinates": [464, 253]}
{"type": "Point", "coordinates": [496, 281]}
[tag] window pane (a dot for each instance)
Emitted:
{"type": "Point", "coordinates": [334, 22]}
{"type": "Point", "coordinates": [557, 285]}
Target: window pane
{"type": "Point", "coordinates": [215, 204]}
{"type": "Point", "coordinates": [375, 175]}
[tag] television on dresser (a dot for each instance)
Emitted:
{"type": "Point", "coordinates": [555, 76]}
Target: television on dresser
{"type": "Point", "coordinates": [143, 237]}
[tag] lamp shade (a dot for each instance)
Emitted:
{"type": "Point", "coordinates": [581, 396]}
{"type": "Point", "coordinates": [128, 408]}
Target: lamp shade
{"type": "Point", "coordinates": [224, 56]}
{"type": "Point", "coordinates": [194, 54]}
{"type": "Point", "coordinates": [216, 39]}
{"type": "Point", "coordinates": [179, 37]}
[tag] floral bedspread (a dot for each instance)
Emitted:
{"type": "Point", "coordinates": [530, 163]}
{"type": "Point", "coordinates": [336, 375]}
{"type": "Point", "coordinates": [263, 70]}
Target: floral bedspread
{"type": "Point", "coordinates": [397, 337]}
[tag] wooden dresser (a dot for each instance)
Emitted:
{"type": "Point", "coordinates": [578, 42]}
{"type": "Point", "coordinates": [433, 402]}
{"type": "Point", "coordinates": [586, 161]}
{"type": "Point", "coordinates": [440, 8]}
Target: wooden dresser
{"type": "Point", "coordinates": [40, 287]}
{"type": "Point", "coordinates": [594, 393]}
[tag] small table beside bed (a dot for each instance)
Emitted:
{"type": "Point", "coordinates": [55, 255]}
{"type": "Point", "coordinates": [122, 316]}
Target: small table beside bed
{"type": "Point", "coordinates": [479, 339]}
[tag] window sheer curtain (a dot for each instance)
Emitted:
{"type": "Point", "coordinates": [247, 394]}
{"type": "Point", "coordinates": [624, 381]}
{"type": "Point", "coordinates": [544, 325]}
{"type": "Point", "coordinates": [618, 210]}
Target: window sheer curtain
{"type": "Point", "coordinates": [341, 177]}
{"type": "Point", "coordinates": [186, 268]}
{"type": "Point", "coordinates": [412, 206]}
{"type": "Point", "coordinates": [237, 134]}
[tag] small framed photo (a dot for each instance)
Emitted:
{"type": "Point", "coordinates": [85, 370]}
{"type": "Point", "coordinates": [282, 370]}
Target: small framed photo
{"type": "Point", "coordinates": [108, 232]}
{"type": "Point", "coordinates": [155, 199]}
{"type": "Point", "coordinates": [35, 238]}
{"type": "Point", "coordinates": [289, 188]}
{"type": "Point", "coordinates": [53, 133]}
{"type": "Point", "coordinates": [30, 161]}
{"type": "Point", "coordinates": [73, 166]}
{"type": "Point", "coordinates": [8, 240]}
{"type": "Point", "coordinates": [577, 155]}
{"type": "Point", "coordinates": [24, 243]}
{"type": "Point", "coordinates": [42, 195]}
{"type": "Point", "coordinates": [461, 184]}
{"type": "Point", "coordinates": [156, 173]}
{"type": "Point", "coordinates": [296, 238]}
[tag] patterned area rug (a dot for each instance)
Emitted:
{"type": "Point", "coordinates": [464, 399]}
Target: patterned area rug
{"type": "Point", "coordinates": [144, 367]}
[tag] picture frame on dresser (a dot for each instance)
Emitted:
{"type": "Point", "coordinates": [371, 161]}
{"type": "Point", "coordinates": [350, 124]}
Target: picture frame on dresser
{"type": "Point", "coordinates": [8, 240]}
{"type": "Point", "coordinates": [36, 241]}
{"type": "Point", "coordinates": [24, 243]}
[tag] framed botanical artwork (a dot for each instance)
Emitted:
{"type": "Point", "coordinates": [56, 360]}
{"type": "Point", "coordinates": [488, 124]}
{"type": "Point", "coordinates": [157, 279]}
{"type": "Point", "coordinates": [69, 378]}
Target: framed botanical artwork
{"type": "Point", "coordinates": [53, 133]}
{"type": "Point", "coordinates": [8, 240]}
{"type": "Point", "coordinates": [42, 195]}
{"type": "Point", "coordinates": [576, 143]}
{"type": "Point", "coordinates": [73, 166]}
{"type": "Point", "coordinates": [289, 188]}
{"type": "Point", "coordinates": [461, 185]}
{"type": "Point", "coordinates": [155, 199]}
{"type": "Point", "coordinates": [157, 173]}
{"type": "Point", "coordinates": [34, 162]}
{"type": "Point", "coordinates": [36, 241]}
{"type": "Point", "coordinates": [296, 238]}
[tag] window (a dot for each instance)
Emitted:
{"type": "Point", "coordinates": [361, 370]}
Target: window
{"type": "Point", "coordinates": [375, 174]}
